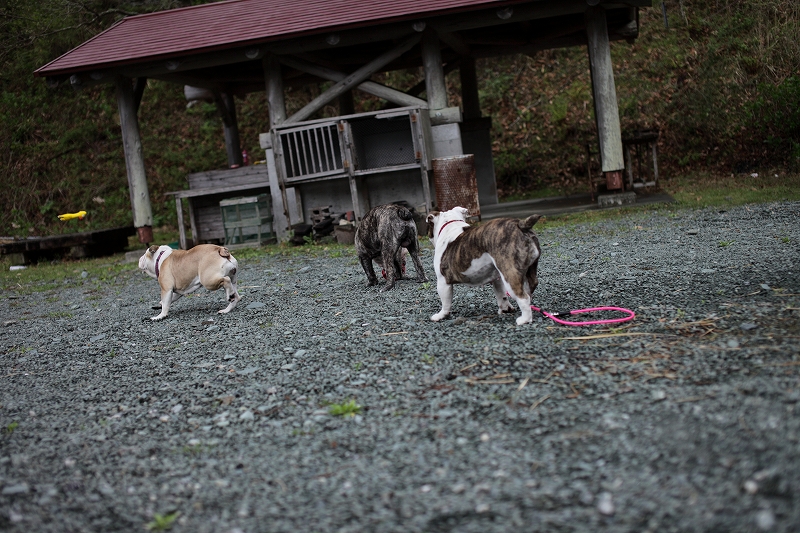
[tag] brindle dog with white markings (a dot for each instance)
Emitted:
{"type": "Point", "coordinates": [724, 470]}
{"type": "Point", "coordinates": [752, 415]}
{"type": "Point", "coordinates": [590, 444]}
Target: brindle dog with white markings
{"type": "Point", "coordinates": [381, 236]}
{"type": "Point", "coordinates": [503, 252]}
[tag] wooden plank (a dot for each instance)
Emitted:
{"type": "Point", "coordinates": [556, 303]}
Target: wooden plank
{"type": "Point", "coordinates": [89, 243]}
{"type": "Point", "coordinates": [207, 191]}
{"type": "Point", "coordinates": [353, 79]}
{"type": "Point", "coordinates": [233, 175]}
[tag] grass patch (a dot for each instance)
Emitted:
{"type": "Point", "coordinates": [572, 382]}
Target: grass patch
{"type": "Point", "coordinates": [706, 190]}
{"type": "Point", "coordinates": [162, 522]}
{"type": "Point", "coordinates": [47, 276]}
{"type": "Point", "coordinates": [59, 314]}
{"type": "Point", "coordinates": [349, 408]}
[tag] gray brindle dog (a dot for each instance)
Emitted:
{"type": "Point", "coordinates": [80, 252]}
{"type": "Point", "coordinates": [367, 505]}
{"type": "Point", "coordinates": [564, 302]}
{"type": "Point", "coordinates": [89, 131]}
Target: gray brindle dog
{"type": "Point", "coordinates": [381, 237]}
{"type": "Point", "coordinates": [503, 252]}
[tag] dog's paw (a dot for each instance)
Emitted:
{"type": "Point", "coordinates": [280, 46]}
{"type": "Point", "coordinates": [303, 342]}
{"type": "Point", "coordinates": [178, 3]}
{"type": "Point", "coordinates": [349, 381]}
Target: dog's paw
{"type": "Point", "coordinates": [156, 318]}
{"type": "Point", "coordinates": [223, 311]}
{"type": "Point", "coordinates": [524, 320]}
{"type": "Point", "coordinates": [438, 316]}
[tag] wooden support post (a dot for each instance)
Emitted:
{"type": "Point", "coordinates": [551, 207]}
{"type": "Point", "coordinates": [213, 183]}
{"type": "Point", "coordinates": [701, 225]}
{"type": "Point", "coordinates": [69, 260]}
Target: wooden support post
{"type": "Point", "coordinates": [138, 91]}
{"type": "Point", "coordinates": [475, 133]}
{"type": "Point", "coordinates": [469, 89]}
{"type": "Point", "coordinates": [193, 222]}
{"type": "Point", "coordinates": [274, 81]}
{"type": "Point", "coordinates": [435, 87]}
{"type": "Point", "coordinates": [181, 228]}
{"type": "Point", "coordinates": [346, 104]}
{"type": "Point", "coordinates": [227, 110]}
{"type": "Point", "coordinates": [134, 160]}
{"type": "Point", "coordinates": [353, 80]}
{"type": "Point", "coordinates": [420, 87]}
{"type": "Point", "coordinates": [277, 190]}
{"type": "Point", "coordinates": [605, 96]}
{"type": "Point", "coordinates": [655, 163]}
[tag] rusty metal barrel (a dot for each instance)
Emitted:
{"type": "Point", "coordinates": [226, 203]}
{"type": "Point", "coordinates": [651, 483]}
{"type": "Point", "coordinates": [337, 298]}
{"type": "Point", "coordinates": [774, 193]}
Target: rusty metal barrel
{"type": "Point", "coordinates": [456, 184]}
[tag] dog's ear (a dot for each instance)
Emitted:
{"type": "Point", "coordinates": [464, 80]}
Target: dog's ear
{"type": "Point", "coordinates": [153, 249]}
{"type": "Point", "coordinates": [429, 220]}
{"type": "Point", "coordinates": [464, 211]}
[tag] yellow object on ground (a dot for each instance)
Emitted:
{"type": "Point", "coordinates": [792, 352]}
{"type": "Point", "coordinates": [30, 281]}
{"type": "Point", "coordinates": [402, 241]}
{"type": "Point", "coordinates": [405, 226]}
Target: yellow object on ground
{"type": "Point", "coordinates": [69, 216]}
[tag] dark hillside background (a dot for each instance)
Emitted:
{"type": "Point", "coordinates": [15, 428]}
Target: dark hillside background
{"type": "Point", "coordinates": [721, 83]}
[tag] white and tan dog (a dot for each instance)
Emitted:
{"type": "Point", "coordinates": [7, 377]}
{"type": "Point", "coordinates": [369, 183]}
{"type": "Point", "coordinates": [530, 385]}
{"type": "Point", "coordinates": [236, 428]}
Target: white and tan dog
{"type": "Point", "coordinates": [181, 272]}
{"type": "Point", "coordinates": [503, 252]}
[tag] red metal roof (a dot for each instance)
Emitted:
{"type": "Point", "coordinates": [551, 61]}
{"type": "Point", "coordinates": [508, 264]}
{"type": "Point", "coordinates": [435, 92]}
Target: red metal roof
{"type": "Point", "coordinates": [236, 23]}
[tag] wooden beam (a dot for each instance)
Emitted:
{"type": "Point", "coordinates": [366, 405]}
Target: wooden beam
{"type": "Point", "coordinates": [435, 87]}
{"type": "Point", "coordinates": [456, 42]}
{"type": "Point", "coordinates": [273, 79]}
{"type": "Point", "coordinates": [376, 89]}
{"type": "Point", "coordinates": [470, 99]}
{"type": "Point", "coordinates": [230, 126]}
{"type": "Point", "coordinates": [605, 94]}
{"type": "Point", "coordinates": [138, 91]}
{"type": "Point", "coordinates": [134, 159]}
{"type": "Point", "coordinates": [346, 104]}
{"type": "Point", "coordinates": [354, 79]}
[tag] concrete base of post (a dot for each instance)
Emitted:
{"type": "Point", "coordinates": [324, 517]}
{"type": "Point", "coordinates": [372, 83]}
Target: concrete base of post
{"type": "Point", "coordinates": [622, 198]}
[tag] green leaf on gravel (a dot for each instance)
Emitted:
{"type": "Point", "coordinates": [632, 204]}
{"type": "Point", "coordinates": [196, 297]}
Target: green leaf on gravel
{"type": "Point", "coordinates": [350, 408]}
{"type": "Point", "coordinates": [162, 522]}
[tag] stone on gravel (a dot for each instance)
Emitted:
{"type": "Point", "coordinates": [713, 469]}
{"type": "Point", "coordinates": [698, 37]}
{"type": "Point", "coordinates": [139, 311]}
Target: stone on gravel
{"type": "Point", "coordinates": [19, 488]}
{"type": "Point", "coordinates": [605, 503]}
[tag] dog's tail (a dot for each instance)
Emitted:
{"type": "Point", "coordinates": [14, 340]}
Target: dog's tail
{"type": "Point", "coordinates": [528, 223]}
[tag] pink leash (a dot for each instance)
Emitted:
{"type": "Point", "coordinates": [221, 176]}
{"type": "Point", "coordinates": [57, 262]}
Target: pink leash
{"type": "Point", "coordinates": [555, 316]}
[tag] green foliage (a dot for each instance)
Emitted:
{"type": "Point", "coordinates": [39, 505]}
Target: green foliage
{"type": "Point", "coordinates": [11, 427]}
{"type": "Point", "coordinates": [721, 85]}
{"type": "Point", "coordinates": [349, 408]}
{"type": "Point", "coordinates": [162, 522]}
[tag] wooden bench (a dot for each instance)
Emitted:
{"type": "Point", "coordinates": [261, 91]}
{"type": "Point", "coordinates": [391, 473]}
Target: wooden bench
{"type": "Point", "coordinates": [206, 190]}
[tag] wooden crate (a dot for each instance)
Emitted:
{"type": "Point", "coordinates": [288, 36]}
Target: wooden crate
{"type": "Point", "coordinates": [247, 219]}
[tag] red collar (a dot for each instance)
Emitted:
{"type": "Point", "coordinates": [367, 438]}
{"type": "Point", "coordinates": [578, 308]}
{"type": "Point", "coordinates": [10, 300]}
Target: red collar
{"type": "Point", "coordinates": [157, 260]}
{"type": "Point", "coordinates": [449, 222]}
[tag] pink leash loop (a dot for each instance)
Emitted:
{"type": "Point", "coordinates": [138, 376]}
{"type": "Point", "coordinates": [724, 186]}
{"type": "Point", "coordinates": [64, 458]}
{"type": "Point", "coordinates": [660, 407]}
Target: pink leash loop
{"type": "Point", "coordinates": [554, 316]}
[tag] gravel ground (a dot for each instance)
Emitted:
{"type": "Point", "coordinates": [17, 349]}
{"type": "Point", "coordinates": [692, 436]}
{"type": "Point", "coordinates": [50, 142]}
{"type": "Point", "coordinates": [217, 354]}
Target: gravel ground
{"type": "Point", "coordinates": [685, 419]}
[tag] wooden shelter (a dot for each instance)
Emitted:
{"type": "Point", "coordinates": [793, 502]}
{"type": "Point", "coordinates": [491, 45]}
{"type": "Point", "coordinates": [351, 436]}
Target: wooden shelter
{"type": "Point", "coordinates": [353, 161]}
